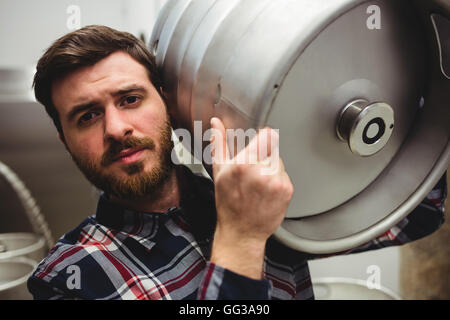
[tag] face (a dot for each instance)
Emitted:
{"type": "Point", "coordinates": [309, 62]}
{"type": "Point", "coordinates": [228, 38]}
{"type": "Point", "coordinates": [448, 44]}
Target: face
{"type": "Point", "coordinates": [115, 126]}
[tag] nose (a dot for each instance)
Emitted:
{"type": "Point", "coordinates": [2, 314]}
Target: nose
{"type": "Point", "coordinates": [116, 125]}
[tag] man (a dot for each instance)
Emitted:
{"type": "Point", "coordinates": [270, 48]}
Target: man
{"type": "Point", "coordinates": [161, 232]}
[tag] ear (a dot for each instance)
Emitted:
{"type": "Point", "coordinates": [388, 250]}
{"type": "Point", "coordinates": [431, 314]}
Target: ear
{"type": "Point", "coordinates": [170, 111]}
{"type": "Point", "coordinates": [61, 138]}
{"type": "Point", "coordinates": [163, 94]}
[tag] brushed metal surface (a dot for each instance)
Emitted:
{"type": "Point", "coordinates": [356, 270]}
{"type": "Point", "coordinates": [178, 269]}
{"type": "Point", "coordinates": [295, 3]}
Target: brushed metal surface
{"type": "Point", "coordinates": [293, 65]}
{"type": "Point", "coordinates": [335, 288]}
{"type": "Point", "coordinates": [21, 244]}
{"type": "Point", "coordinates": [13, 278]}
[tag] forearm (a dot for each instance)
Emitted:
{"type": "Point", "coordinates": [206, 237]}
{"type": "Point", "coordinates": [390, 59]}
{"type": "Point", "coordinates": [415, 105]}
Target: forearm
{"type": "Point", "coordinates": [235, 269]}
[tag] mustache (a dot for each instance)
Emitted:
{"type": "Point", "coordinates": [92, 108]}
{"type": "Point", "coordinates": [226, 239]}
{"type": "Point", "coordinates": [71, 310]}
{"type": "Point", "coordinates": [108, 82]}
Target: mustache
{"type": "Point", "coordinates": [116, 147]}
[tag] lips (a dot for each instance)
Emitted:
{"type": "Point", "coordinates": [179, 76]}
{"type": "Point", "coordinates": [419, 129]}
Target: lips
{"type": "Point", "coordinates": [129, 155]}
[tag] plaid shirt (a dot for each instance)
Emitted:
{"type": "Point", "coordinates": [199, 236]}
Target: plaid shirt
{"type": "Point", "coordinates": [123, 254]}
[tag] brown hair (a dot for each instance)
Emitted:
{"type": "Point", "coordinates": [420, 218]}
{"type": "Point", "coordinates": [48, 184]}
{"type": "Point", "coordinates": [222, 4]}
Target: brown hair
{"type": "Point", "coordinates": [85, 47]}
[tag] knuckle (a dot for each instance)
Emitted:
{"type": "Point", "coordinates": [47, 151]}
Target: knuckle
{"type": "Point", "coordinates": [284, 187]}
{"type": "Point", "coordinates": [277, 186]}
{"type": "Point", "coordinates": [238, 170]}
{"type": "Point", "coordinates": [290, 190]}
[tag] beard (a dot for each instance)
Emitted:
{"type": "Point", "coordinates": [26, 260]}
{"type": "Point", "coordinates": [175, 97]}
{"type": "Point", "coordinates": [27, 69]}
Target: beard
{"type": "Point", "coordinates": [138, 182]}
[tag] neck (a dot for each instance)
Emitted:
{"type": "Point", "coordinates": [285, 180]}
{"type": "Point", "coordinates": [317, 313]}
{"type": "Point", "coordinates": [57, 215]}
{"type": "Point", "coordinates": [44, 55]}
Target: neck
{"type": "Point", "coordinates": [167, 196]}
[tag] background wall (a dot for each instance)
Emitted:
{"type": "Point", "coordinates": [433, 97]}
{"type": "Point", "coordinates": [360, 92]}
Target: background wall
{"type": "Point", "coordinates": [28, 27]}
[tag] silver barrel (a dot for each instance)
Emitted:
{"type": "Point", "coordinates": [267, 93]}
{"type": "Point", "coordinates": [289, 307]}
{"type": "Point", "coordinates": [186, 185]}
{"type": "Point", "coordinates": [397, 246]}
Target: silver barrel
{"type": "Point", "coordinates": [13, 278]}
{"type": "Point", "coordinates": [358, 90]}
{"type": "Point", "coordinates": [21, 244]}
{"type": "Point", "coordinates": [350, 289]}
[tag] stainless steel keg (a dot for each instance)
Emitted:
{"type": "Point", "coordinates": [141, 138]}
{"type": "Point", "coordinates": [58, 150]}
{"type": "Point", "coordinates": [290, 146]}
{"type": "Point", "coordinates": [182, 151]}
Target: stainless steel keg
{"type": "Point", "coordinates": [350, 289]}
{"type": "Point", "coordinates": [359, 90]}
{"type": "Point", "coordinates": [14, 274]}
{"type": "Point", "coordinates": [16, 84]}
{"type": "Point", "coordinates": [22, 244]}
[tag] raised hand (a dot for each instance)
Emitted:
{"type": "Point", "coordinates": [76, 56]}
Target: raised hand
{"type": "Point", "coordinates": [251, 199]}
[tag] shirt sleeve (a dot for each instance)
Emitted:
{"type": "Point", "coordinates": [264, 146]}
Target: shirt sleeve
{"type": "Point", "coordinates": [219, 283]}
{"type": "Point", "coordinates": [42, 290]}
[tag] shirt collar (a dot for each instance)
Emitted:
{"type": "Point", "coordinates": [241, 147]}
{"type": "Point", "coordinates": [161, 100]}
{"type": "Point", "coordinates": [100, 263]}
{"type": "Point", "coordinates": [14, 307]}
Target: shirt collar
{"type": "Point", "coordinates": [197, 209]}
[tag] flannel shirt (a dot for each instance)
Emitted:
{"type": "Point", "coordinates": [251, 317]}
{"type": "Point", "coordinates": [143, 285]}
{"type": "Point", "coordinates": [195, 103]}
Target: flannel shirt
{"type": "Point", "coordinates": [123, 254]}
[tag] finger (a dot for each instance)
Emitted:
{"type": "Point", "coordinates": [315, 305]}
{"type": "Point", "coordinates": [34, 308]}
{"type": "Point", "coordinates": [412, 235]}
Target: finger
{"type": "Point", "coordinates": [281, 166]}
{"type": "Point", "coordinates": [273, 165]}
{"type": "Point", "coordinates": [219, 151]}
{"type": "Point", "coordinates": [262, 146]}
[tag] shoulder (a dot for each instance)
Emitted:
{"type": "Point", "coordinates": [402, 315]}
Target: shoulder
{"type": "Point", "coordinates": [196, 180]}
{"type": "Point", "coordinates": [198, 202]}
{"type": "Point", "coordinates": [73, 253]}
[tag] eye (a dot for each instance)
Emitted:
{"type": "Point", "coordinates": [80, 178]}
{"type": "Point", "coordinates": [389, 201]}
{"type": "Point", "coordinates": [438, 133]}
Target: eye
{"type": "Point", "coordinates": [130, 100]}
{"type": "Point", "coordinates": [88, 117]}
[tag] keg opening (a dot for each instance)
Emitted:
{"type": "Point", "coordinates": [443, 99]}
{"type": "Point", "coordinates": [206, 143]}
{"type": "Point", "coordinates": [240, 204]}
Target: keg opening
{"type": "Point", "coordinates": [374, 130]}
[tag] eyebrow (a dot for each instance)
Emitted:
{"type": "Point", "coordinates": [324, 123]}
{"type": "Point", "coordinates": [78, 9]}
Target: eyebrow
{"type": "Point", "coordinates": [89, 105]}
{"type": "Point", "coordinates": [80, 108]}
{"type": "Point", "coordinates": [129, 89]}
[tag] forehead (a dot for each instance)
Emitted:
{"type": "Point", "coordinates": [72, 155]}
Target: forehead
{"type": "Point", "coordinates": [98, 80]}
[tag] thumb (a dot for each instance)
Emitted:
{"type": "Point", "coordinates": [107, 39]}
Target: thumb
{"type": "Point", "coordinates": [219, 150]}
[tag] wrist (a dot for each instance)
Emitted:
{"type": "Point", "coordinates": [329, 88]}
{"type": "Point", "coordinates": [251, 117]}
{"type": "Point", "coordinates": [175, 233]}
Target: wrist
{"type": "Point", "coordinates": [242, 255]}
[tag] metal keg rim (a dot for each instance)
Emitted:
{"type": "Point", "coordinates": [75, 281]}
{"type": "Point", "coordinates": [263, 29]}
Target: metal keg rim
{"type": "Point", "coordinates": [364, 236]}
{"type": "Point", "coordinates": [21, 280]}
{"type": "Point", "coordinates": [39, 244]}
{"type": "Point", "coordinates": [377, 228]}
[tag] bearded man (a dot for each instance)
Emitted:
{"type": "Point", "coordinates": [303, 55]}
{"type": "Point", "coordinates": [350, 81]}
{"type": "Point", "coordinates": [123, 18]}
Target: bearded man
{"type": "Point", "coordinates": [161, 232]}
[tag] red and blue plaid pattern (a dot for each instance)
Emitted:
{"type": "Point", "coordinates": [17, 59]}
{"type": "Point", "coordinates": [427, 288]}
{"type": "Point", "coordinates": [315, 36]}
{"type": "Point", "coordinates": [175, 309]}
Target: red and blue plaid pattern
{"type": "Point", "coordinates": [123, 254]}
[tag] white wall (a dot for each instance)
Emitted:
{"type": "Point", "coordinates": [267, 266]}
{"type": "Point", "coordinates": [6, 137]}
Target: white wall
{"type": "Point", "coordinates": [140, 16]}
{"type": "Point", "coordinates": [27, 27]}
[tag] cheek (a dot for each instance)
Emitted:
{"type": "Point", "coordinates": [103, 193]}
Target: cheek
{"type": "Point", "coordinates": [151, 123]}
{"type": "Point", "coordinates": [87, 149]}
